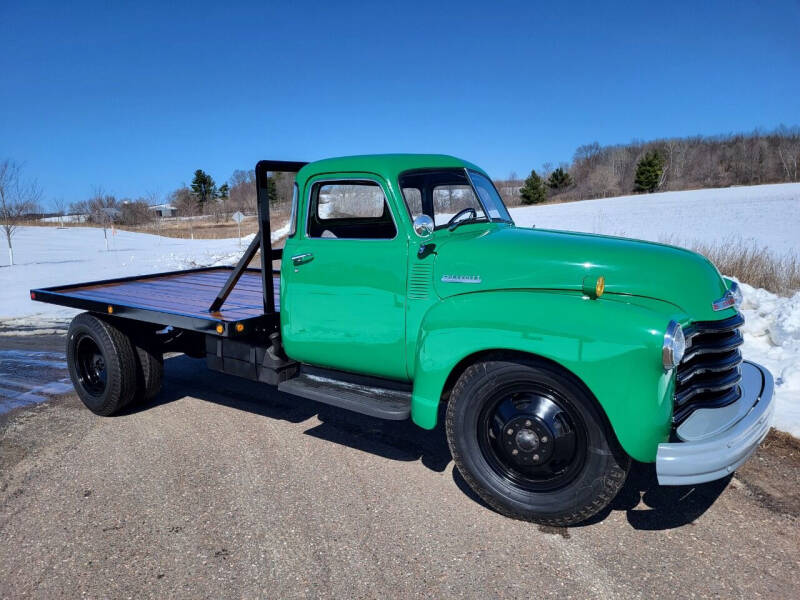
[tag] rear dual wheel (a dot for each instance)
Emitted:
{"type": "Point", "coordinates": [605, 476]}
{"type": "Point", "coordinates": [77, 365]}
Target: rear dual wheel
{"type": "Point", "coordinates": [110, 371]}
{"type": "Point", "coordinates": [532, 442]}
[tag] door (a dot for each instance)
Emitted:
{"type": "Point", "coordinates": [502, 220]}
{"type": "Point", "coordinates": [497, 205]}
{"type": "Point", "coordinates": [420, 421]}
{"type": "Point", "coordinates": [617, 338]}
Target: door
{"type": "Point", "coordinates": [344, 278]}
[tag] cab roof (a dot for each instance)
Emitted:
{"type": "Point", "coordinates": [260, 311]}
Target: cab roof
{"type": "Point", "coordinates": [388, 166]}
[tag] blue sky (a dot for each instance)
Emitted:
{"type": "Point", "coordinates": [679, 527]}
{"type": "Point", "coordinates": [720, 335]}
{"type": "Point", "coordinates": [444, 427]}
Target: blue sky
{"type": "Point", "coordinates": [135, 96]}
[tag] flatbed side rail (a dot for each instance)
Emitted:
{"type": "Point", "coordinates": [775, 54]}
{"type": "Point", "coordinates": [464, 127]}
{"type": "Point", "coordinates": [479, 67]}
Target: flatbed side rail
{"type": "Point", "coordinates": [263, 240]}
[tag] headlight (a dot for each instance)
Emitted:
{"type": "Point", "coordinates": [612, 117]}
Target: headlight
{"type": "Point", "coordinates": [674, 346]}
{"type": "Point", "coordinates": [736, 293]}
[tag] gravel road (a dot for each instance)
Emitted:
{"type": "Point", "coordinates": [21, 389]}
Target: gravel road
{"type": "Point", "coordinates": [223, 488]}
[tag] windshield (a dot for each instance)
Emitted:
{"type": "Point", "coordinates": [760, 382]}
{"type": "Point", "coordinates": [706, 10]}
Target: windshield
{"type": "Point", "coordinates": [489, 197]}
{"type": "Point", "coordinates": [443, 193]}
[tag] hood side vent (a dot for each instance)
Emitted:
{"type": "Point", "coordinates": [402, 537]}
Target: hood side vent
{"type": "Point", "coordinates": [419, 281]}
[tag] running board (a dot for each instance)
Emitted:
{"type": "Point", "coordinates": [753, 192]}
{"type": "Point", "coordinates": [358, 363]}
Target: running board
{"type": "Point", "coordinates": [380, 402]}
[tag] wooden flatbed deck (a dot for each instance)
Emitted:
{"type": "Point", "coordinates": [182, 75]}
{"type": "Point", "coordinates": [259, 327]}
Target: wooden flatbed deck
{"type": "Point", "coordinates": [181, 293]}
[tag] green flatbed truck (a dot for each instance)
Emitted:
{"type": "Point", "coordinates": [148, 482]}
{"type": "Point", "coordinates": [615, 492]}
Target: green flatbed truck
{"type": "Point", "coordinates": [404, 285]}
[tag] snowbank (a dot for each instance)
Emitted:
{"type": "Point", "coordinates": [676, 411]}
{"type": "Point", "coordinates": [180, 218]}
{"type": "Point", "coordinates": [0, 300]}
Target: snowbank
{"type": "Point", "coordinates": [772, 338]}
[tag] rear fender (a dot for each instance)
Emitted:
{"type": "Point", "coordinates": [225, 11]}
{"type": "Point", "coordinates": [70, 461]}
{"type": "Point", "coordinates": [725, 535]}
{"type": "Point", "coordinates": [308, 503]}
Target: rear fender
{"type": "Point", "coordinates": [611, 345]}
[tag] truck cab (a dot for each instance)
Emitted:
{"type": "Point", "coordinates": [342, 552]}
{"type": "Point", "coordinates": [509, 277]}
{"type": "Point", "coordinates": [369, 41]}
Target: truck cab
{"type": "Point", "coordinates": [405, 285]}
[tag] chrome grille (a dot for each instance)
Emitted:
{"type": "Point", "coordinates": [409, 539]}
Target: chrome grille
{"type": "Point", "coordinates": [709, 373]}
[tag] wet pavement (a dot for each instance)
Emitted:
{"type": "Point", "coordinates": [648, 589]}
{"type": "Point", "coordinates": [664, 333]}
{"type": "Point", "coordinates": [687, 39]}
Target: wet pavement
{"type": "Point", "coordinates": [33, 369]}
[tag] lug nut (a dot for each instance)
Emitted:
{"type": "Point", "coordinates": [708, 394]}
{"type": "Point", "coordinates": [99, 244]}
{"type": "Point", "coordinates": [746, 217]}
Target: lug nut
{"type": "Point", "coordinates": [510, 431]}
{"type": "Point", "coordinates": [515, 452]}
{"type": "Point", "coordinates": [535, 457]}
{"type": "Point", "coordinates": [544, 439]}
{"type": "Point", "coordinates": [527, 423]}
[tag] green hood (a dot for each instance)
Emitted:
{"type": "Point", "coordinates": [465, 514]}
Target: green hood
{"type": "Point", "coordinates": [518, 258]}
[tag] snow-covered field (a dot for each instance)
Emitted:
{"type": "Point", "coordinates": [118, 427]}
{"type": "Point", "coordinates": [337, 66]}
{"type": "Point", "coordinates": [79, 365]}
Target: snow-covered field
{"type": "Point", "coordinates": [767, 215]}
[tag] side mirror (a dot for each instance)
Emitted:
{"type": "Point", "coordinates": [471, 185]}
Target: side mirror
{"type": "Point", "coordinates": [423, 226]}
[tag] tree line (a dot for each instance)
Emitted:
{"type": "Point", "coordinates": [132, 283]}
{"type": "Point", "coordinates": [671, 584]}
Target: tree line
{"type": "Point", "coordinates": [203, 197]}
{"type": "Point", "coordinates": [663, 165]}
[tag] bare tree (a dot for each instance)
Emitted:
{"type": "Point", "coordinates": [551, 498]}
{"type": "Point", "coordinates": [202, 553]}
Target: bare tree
{"type": "Point", "coordinates": [17, 198]}
{"type": "Point", "coordinates": [61, 209]}
{"type": "Point", "coordinates": [134, 212]}
{"type": "Point", "coordinates": [186, 204]}
{"type": "Point", "coordinates": [151, 198]}
{"type": "Point", "coordinates": [789, 153]}
{"type": "Point", "coordinates": [243, 191]}
{"type": "Point", "coordinates": [103, 210]}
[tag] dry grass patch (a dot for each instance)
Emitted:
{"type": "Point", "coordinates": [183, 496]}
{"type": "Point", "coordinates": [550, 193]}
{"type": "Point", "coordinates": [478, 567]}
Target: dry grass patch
{"type": "Point", "coordinates": [200, 228]}
{"type": "Point", "coordinates": [755, 265]}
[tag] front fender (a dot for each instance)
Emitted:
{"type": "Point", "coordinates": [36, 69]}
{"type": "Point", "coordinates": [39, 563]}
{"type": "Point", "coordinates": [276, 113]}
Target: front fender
{"type": "Point", "coordinates": [612, 344]}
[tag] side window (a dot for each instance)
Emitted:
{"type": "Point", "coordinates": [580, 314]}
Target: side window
{"type": "Point", "coordinates": [293, 217]}
{"type": "Point", "coordinates": [349, 210]}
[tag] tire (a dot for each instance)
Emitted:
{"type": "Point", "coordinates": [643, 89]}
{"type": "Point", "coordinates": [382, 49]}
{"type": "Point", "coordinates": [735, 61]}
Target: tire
{"type": "Point", "coordinates": [533, 443]}
{"type": "Point", "coordinates": [149, 372]}
{"type": "Point", "coordinates": [102, 364]}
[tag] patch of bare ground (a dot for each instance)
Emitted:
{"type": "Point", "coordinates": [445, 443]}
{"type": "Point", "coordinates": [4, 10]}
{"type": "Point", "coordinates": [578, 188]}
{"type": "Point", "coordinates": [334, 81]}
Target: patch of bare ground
{"type": "Point", "coordinates": [772, 476]}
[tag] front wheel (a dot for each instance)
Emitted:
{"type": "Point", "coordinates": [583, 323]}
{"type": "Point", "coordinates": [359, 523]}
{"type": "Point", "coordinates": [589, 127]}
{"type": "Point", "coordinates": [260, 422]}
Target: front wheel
{"type": "Point", "coordinates": [532, 442]}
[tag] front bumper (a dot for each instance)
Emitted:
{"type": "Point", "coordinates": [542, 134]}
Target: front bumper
{"type": "Point", "coordinates": [715, 441]}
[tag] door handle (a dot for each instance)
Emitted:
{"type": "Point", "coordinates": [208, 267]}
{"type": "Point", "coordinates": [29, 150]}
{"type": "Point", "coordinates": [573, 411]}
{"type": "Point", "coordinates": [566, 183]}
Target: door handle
{"type": "Point", "coordinates": [299, 259]}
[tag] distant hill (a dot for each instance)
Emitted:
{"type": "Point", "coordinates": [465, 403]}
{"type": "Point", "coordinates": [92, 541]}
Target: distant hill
{"type": "Point", "coordinates": [688, 163]}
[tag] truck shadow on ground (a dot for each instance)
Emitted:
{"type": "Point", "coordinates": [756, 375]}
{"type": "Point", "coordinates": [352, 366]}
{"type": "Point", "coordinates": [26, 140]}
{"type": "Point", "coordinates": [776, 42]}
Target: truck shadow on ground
{"type": "Point", "coordinates": [647, 505]}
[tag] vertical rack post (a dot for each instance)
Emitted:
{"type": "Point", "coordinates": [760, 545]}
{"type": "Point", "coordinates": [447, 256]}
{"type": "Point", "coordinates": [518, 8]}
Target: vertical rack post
{"type": "Point", "coordinates": [265, 234]}
{"type": "Point", "coordinates": [262, 240]}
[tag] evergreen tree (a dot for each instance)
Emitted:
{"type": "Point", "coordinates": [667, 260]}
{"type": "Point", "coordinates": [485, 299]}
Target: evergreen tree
{"type": "Point", "coordinates": [648, 172]}
{"type": "Point", "coordinates": [534, 190]}
{"type": "Point", "coordinates": [272, 188]}
{"type": "Point", "coordinates": [223, 192]}
{"type": "Point", "coordinates": [203, 188]}
{"type": "Point", "coordinates": [272, 191]}
{"type": "Point", "coordinates": [559, 179]}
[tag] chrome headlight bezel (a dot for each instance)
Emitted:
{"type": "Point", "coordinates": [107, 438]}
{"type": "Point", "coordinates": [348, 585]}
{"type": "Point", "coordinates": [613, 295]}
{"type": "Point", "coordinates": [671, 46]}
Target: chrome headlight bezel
{"type": "Point", "coordinates": [674, 346]}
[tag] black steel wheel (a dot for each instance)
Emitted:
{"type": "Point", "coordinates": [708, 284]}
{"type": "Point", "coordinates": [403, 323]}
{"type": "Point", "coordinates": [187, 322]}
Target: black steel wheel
{"type": "Point", "coordinates": [530, 439]}
{"type": "Point", "coordinates": [90, 365]}
{"type": "Point", "coordinates": [102, 364]}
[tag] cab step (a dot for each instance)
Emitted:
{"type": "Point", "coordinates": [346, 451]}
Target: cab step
{"type": "Point", "coordinates": [379, 398]}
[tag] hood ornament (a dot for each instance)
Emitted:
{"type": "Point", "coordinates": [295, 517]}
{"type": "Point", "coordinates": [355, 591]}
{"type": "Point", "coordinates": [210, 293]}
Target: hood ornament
{"type": "Point", "coordinates": [733, 297]}
{"type": "Point", "coordinates": [726, 301]}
